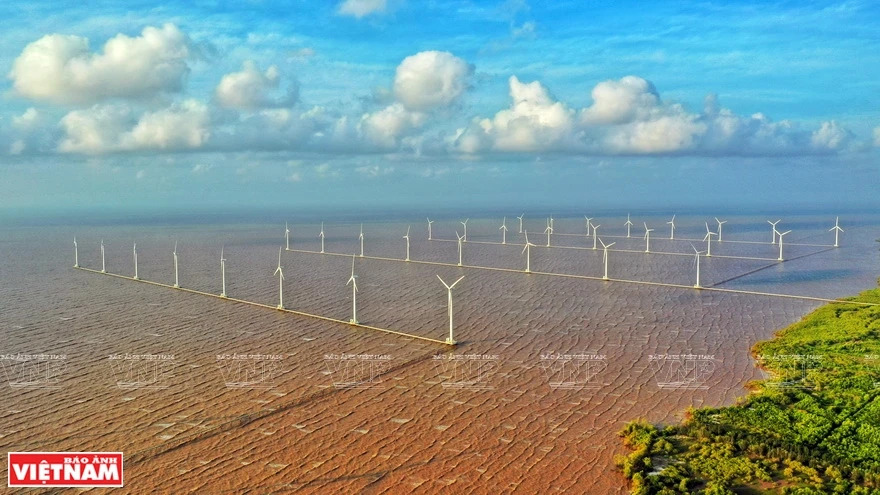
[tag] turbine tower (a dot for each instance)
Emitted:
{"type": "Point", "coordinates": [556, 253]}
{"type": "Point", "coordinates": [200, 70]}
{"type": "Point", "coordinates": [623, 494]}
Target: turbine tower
{"type": "Point", "coordinates": [460, 240]}
{"type": "Point", "coordinates": [176, 281]}
{"type": "Point", "coordinates": [647, 238]}
{"type": "Point", "coordinates": [837, 230]}
{"type": "Point", "coordinates": [588, 219]}
{"type": "Point", "coordinates": [671, 223]}
{"type": "Point", "coordinates": [286, 237]}
{"type": "Point", "coordinates": [503, 230]}
{"type": "Point", "coordinates": [548, 231]}
{"type": "Point", "coordinates": [354, 290]}
{"type": "Point", "coordinates": [407, 243]}
{"type": "Point", "coordinates": [223, 271]}
{"type": "Point", "coordinates": [774, 231]}
{"type": "Point", "coordinates": [780, 243]}
{"type": "Point", "coordinates": [605, 256]}
{"type": "Point", "coordinates": [361, 239]}
{"type": "Point", "coordinates": [595, 235]}
{"type": "Point", "coordinates": [429, 228]}
{"type": "Point", "coordinates": [450, 340]}
{"type": "Point", "coordinates": [103, 264]}
{"type": "Point", "coordinates": [628, 224]}
{"type": "Point", "coordinates": [520, 222]}
{"type": "Point", "coordinates": [551, 224]}
{"type": "Point", "coordinates": [280, 274]}
{"type": "Point", "coordinates": [75, 254]}
{"type": "Point", "coordinates": [720, 223]}
{"type": "Point", "coordinates": [527, 249]}
{"type": "Point", "coordinates": [708, 238]}
{"type": "Point", "coordinates": [322, 237]}
{"type": "Point", "coordinates": [134, 251]}
{"type": "Point", "coordinates": [464, 237]}
{"type": "Point", "coordinates": [697, 265]}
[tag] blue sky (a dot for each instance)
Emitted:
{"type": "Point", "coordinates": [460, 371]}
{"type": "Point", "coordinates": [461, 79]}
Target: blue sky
{"type": "Point", "coordinates": [404, 104]}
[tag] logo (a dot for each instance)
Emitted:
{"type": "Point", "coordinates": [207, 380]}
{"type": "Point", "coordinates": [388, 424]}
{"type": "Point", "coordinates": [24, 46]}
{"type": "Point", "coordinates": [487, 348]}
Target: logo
{"type": "Point", "coordinates": [32, 371]}
{"type": "Point", "coordinates": [66, 469]}
{"type": "Point", "coordinates": [253, 371]}
{"type": "Point", "coordinates": [682, 371]}
{"type": "Point", "coordinates": [467, 371]}
{"type": "Point", "coordinates": [573, 371]}
{"type": "Point", "coordinates": [357, 370]}
{"type": "Point", "coordinates": [794, 369]}
{"type": "Point", "coordinates": [150, 371]}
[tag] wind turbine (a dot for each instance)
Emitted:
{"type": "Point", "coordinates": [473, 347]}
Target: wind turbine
{"type": "Point", "coordinates": [647, 238]}
{"type": "Point", "coordinates": [628, 224]}
{"type": "Point", "coordinates": [595, 236]}
{"type": "Point", "coordinates": [429, 228]}
{"type": "Point", "coordinates": [354, 290]}
{"type": "Point", "coordinates": [322, 237]}
{"type": "Point", "coordinates": [551, 224]}
{"type": "Point", "coordinates": [361, 238]}
{"type": "Point", "coordinates": [134, 251]}
{"type": "Point", "coordinates": [75, 254]}
{"type": "Point", "coordinates": [837, 230]}
{"type": "Point", "coordinates": [672, 227]}
{"type": "Point", "coordinates": [720, 223]}
{"type": "Point", "coordinates": [464, 237]}
{"type": "Point", "coordinates": [176, 281]}
{"type": "Point", "coordinates": [528, 251]}
{"type": "Point", "coordinates": [697, 264]}
{"type": "Point", "coordinates": [407, 243]}
{"type": "Point", "coordinates": [460, 239]}
{"type": "Point", "coordinates": [103, 265]}
{"type": "Point", "coordinates": [780, 243]}
{"type": "Point", "coordinates": [503, 230]}
{"type": "Point", "coordinates": [450, 340]}
{"type": "Point", "coordinates": [774, 232]}
{"type": "Point", "coordinates": [286, 237]}
{"type": "Point", "coordinates": [280, 274]}
{"type": "Point", "coordinates": [588, 219]}
{"type": "Point", "coordinates": [708, 238]}
{"type": "Point", "coordinates": [223, 271]}
{"type": "Point", "coordinates": [548, 231]}
{"type": "Point", "coordinates": [605, 256]}
{"type": "Point", "coordinates": [520, 222]}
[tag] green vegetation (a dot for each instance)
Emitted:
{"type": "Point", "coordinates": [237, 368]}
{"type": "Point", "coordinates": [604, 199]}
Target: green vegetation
{"type": "Point", "coordinates": [813, 428]}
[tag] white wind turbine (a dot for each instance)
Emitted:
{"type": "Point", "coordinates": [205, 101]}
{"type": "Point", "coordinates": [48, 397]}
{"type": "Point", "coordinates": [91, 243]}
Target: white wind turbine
{"type": "Point", "coordinates": [520, 222]}
{"type": "Point", "coordinates": [780, 243]}
{"type": "Point", "coordinates": [354, 290]}
{"type": "Point", "coordinates": [429, 229]}
{"type": "Point", "coordinates": [361, 239]}
{"type": "Point", "coordinates": [595, 235]}
{"type": "Point", "coordinates": [697, 265]}
{"type": "Point", "coordinates": [774, 231]}
{"type": "Point", "coordinates": [134, 251]}
{"type": "Point", "coordinates": [548, 231]}
{"type": "Point", "coordinates": [280, 274]}
{"type": "Point", "coordinates": [75, 254]}
{"type": "Point", "coordinates": [588, 219]}
{"type": "Point", "coordinates": [503, 230]}
{"type": "Point", "coordinates": [527, 249]}
{"type": "Point", "coordinates": [407, 243]}
{"type": "Point", "coordinates": [628, 224]}
{"type": "Point", "coordinates": [551, 224]}
{"type": "Point", "coordinates": [176, 280]}
{"type": "Point", "coordinates": [450, 340]}
{"type": "Point", "coordinates": [837, 230]}
{"type": "Point", "coordinates": [720, 223]}
{"type": "Point", "coordinates": [322, 237]}
{"type": "Point", "coordinates": [103, 264]}
{"type": "Point", "coordinates": [605, 257]}
{"type": "Point", "coordinates": [671, 223]}
{"type": "Point", "coordinates": [464, 237]}
{"type": "Point", "coordinates": [647, 238]}
{"type": "Point", "coordinates": [708, 238]}
{"type": "Point", "coordinates": [223, 271]}
{"type": "Point", "coordinates": [460, 240]}
{"type": "Point", "coordinates": [286, 237]}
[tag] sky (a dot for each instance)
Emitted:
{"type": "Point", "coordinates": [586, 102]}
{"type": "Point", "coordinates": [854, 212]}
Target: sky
{"type": "Point", "coordinates": [399, 104]}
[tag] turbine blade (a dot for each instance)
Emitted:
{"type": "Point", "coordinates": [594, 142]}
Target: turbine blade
{"type": "Point", "coordinates": [457, 281]}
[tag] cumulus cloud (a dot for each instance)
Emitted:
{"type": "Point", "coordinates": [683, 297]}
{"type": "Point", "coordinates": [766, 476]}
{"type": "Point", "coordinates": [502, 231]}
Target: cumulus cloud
{"type": "Point", "coordinates": [430, 79]}
{"type": "Point", "coordinates": [617, 102]}
{"type": "Point", "coordinates": [384, 127]}
{"type": "Point", "coordinates": [107, 128]}
{"type": "Point", "coordinates": [830, 136]}
{"type": "Point", "coordinates": [61, 69]}
{"type": "Point", "coordinates": [249, 89]}
{"type": "Point", "coordinates": [362, 8]}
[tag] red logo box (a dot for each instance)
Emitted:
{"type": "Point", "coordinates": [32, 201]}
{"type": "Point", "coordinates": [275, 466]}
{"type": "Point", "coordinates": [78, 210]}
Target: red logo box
{"type": "Point", "coordinates": [67, 469]}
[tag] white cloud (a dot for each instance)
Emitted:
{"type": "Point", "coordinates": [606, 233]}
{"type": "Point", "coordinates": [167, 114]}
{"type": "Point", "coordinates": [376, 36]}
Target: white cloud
{"type": "Point", "coordinates": [61, 69]}
{"type": "Point", "coordinates": [617, 102]}
{"type": "Point", "coordinates": [362, 8]}
{"type": "Point", "coordinates": [250, 89]}
{"type": "Point", "coordinates": [830, 136]}
{"type": "Point", "coordinates": [27, 121]}
{"type": "Point", "coordinates": [374, 170]}
{"type": "Point", "coordinates": [430, 79]}
{"type": "Point", "coordinates": [385, 127]}
{"type": "Point", "coordinates": [201, 168]}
